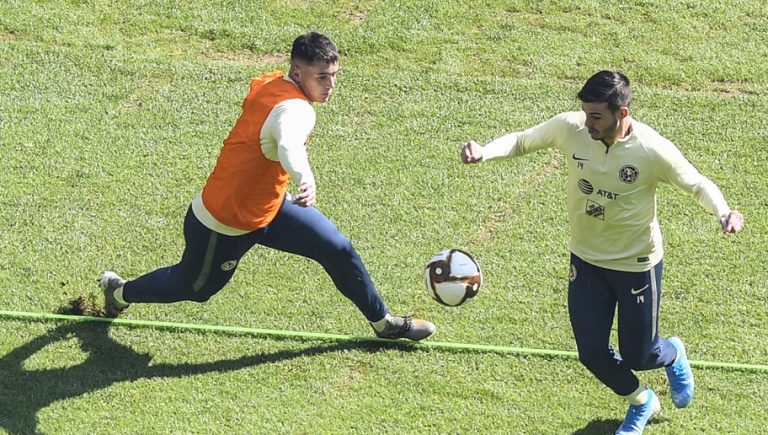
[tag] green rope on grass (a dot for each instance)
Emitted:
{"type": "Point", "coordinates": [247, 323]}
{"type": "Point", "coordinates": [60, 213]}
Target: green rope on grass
{"type": "Point", "coordinates": [339, 337]}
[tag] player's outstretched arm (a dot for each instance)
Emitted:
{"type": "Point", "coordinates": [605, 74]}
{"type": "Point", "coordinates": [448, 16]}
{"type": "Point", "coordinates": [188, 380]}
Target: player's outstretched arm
{"type": "Point", "coordinates": [734, 222]}
{"type": "Point", "coordinates": [471, 152]}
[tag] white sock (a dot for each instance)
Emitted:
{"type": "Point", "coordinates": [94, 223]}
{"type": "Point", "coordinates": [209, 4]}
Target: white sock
{"type": "Point", "coordinates": [639, 396]}
{"type": "Point", "coordinates": [377, 325]}
{"type": "Point", "coordinates": [119, 296]}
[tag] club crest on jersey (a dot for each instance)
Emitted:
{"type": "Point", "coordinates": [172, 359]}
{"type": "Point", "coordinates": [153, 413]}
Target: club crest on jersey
{"type": "Point", "coordinates": [628, 174]}
{"type": "Point", "coordinates": [228, 265]}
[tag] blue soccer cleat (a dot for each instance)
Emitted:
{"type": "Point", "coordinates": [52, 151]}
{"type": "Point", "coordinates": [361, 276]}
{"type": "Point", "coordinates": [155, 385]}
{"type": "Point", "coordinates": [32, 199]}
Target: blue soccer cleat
{"type": "Point", "coordinates": [680, 376]}
{"type": "Point", "coordinates": [638, 415]}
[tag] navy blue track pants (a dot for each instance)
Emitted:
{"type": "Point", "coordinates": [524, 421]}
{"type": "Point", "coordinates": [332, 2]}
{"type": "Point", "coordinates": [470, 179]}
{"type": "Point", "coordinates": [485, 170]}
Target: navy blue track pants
{"type": "Point", "coordinates": [210, 259]}
{"type": "Point", "coordinates": [593, 295]}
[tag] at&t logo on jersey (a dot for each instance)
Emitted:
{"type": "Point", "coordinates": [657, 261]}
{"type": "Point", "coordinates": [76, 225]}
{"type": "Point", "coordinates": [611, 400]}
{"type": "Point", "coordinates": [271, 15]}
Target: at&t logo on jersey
{"type": "Point", "coordinates": [587, 189]}
{"type": "Point", "coordinates": [585, 186]}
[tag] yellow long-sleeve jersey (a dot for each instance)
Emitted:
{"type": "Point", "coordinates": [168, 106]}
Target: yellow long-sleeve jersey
{"type": "Point", "coordinates": [611, 191]}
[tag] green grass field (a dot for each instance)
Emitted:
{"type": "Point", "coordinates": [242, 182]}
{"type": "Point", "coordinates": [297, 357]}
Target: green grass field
{"type": "Point", "coordinates": [111, 117]}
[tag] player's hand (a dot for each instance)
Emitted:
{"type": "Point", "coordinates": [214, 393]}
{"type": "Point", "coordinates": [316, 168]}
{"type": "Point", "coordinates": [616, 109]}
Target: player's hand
{"type": "Point", "coordinates": [471, 153]}
{"type": "Point", "coordinates": [734, 223]}
{"type": "Point", "coordinates": [306, 196]}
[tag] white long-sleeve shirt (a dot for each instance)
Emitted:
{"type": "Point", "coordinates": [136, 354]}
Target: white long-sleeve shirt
{"type": "Point", "coordinates": [611, 192]}
{"type": "Point", "coordinates": [284, 136]}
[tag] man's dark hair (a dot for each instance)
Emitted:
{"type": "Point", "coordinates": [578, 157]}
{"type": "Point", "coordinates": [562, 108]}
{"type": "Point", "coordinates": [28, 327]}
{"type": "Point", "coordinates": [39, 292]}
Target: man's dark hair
{"type": "Point", "coordinates": [610, 87]}
{"type": "Point", "coordinates": [314, 47]}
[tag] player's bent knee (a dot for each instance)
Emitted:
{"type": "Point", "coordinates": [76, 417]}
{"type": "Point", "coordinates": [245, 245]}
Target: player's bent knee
{"type": "Point", "coordinates": [199, 297]}
{"type": "Point", "coordinates": [202, 294]}
{"type": "Point", "coordinates": [596, 360]}
{"type": "Point", "coordinates": [340, 246]}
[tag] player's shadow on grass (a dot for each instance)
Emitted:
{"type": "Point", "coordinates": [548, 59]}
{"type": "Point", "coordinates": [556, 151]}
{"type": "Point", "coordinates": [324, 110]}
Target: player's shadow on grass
{"type": "Point", "coordinates": [23, 392]}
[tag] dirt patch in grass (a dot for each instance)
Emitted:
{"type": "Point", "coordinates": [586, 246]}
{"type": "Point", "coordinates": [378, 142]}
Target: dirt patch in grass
{"type": "Point", "coordinates": [83, 306]}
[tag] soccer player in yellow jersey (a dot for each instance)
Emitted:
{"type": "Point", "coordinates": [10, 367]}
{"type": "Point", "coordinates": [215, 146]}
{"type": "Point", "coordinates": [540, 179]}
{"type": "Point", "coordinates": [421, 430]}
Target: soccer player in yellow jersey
{"type": "Point", "coordinates": [615, 164]}
{"type": "Point", "coordinates": [245, 202]}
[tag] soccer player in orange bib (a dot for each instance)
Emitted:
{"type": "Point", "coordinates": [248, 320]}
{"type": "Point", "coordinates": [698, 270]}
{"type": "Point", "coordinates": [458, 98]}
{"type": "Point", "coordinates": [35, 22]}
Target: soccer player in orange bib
{"type": "Point", "coordinates": [245, 202]}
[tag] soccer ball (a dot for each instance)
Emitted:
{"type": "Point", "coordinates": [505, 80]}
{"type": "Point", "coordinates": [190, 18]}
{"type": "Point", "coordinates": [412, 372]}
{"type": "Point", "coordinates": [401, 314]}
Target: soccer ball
{"type": "Point", "coordinates": [452, 277]}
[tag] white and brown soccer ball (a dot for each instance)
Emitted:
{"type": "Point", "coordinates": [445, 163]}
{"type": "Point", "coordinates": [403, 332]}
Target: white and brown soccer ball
{"type": "Point", "coordinates": [452, 277]}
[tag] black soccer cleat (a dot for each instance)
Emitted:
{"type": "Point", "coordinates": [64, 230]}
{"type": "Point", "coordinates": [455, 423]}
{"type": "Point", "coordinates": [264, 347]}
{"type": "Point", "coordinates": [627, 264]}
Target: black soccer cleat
{"type": "Point", "coordinates": [406, 327]}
